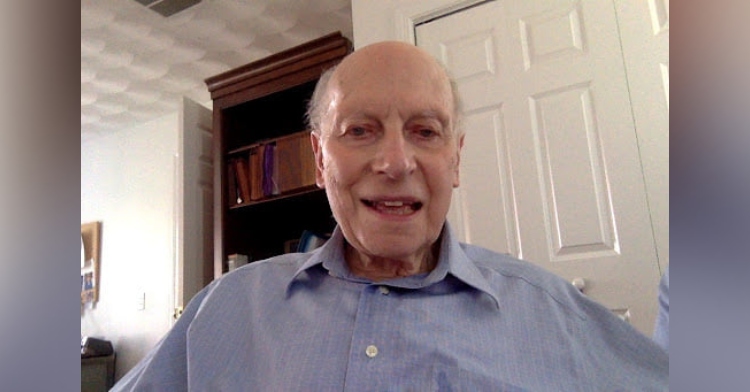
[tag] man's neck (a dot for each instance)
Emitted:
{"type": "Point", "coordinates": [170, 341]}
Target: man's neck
{"type": "Point", "coordinates": [380, 268]}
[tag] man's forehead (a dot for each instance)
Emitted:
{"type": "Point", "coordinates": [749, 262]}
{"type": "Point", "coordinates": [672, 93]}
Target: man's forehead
{"type": "Point", "coordinates": [392, 76]}
{"type": "Point", "coordinates": [366, 106]}
{"type": "Point", "coordinates": [409, 104]}
{"type": "Point", "coordinates": [372, 89]}
{"type": "Point", "coordinates": [390, 60]}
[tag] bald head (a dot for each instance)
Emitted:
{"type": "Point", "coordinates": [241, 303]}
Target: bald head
{"type": "Point", "coordinates": [391, 58]}
{"type": "Point", "coordinates": [390, 65]}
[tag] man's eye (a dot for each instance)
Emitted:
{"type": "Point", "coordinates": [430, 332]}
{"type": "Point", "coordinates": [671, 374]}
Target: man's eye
{"type": "Point", "coordinates": [426, 133]}
{"type": "Point", "coordinates": [357, 131]}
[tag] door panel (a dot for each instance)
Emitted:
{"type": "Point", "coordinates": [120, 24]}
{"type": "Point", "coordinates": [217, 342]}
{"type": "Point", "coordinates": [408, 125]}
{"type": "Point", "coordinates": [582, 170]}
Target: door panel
{"type": "Point", "coordinates": [644, 28]}
{"type": "Point", "coordinates": [194, 215]}
{"type": "Point", "coordinates": [487, 199]}
{"type": "Point", "coordinates": [572, 178]}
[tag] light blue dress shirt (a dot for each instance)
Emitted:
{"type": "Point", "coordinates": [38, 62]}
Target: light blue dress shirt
{"type": "Point", "coordinates": [480, 321]}
{"type": "Point", "coordinates": [661, 329]}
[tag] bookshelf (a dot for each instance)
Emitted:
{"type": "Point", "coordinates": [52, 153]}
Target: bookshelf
{"type": "Point", "coordinates": [259, 129]}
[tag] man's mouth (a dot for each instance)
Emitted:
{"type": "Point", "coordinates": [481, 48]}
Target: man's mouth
{"type": "Point", "coordinates": [394, 207]}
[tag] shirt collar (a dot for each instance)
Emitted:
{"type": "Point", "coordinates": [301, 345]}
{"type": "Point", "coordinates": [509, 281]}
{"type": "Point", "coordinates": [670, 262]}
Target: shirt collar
{"type": "Point", "coordinates": [452, 260]}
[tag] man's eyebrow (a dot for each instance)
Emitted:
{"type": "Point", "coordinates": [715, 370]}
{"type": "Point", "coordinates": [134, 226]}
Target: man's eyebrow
{"type": "Point", "coordinates": [442, 117]}
{"type": "Point", "coordinates": [363, 114]}
{"type": "Point", "coordinates": [359, 115]}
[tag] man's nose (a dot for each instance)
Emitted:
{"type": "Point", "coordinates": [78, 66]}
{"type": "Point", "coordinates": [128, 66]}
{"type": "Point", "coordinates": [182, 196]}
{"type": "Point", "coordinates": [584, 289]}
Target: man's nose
{"type": "Point", "coordinates": [395, 157]}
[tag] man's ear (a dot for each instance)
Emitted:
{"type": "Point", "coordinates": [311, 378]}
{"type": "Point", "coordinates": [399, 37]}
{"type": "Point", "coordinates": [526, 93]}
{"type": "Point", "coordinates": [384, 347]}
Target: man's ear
{"type": "Point", "coordinates": [456, 179]}
{"type": "Point", "coordinates": [317, 146]}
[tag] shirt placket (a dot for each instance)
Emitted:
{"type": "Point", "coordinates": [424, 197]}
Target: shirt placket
{"type": "Point", "coordinates": [371, 353]}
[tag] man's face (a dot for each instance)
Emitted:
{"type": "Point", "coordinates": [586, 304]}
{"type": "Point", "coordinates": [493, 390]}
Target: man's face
{"type": "Point", "coordinates": [387, 154]}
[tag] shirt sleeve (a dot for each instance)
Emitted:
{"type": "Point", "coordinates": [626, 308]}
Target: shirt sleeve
{"type": "Point", "coordinates": [661, 330]}
{"type": "Point", "coordinates": [164, 368]}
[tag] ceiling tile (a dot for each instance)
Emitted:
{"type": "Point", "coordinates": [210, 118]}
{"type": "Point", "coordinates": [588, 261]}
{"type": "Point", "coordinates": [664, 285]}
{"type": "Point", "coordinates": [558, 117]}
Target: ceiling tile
{"type": "Point", "coordinates": [136, 65]}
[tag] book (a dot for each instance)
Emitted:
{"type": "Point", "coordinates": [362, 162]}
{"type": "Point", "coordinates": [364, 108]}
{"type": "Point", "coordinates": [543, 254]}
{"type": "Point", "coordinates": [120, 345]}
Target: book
{"type": "Point", "coordinates": [236, 260]}
{"type": "Point", "coordinates": [295, 153]}
{"type": "Point", "coordinates": [243, 176]}
{"type": "Point", "coordinates": [310, 241]}
{"type": "Point", "coordinates": [256, 164]}
{"type": "Point", "coordinates": [275, 172]}
{"type": "Point", "coordinates": [234, 196]}
{"type": "Point", "coordinates": [268, 169]}
{"type": "Point", "coordinates": [290, 246]}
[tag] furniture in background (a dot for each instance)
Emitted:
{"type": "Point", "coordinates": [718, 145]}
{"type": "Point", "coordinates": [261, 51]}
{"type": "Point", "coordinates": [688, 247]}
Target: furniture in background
{"type": "Point", "coordinates": [97, 373]}
{"type": "Point", "coordinates": [90, 255]}
{"type": "Point", "coordinates": [97, 364]}
{"type": "Point", "coordinates": [264, 174]}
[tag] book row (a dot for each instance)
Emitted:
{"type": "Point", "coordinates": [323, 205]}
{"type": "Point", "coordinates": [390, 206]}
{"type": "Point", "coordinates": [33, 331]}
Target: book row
{"type": "Point", "coordinates": [307, 242]}
{"type": "Point", "coordinates": [271, 168]}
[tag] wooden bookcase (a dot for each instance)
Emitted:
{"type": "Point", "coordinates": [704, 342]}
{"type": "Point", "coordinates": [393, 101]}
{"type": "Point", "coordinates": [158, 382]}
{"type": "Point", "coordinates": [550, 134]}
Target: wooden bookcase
{"type": "Point", "coordinates": [264, 102]}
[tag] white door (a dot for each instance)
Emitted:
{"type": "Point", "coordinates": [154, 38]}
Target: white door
{"type": "Point", "coordinates": [194, 204]}
{"type": "Point", "coordinates": [551, 171]}
{"type": "Point", "coordinates": [644, 29]}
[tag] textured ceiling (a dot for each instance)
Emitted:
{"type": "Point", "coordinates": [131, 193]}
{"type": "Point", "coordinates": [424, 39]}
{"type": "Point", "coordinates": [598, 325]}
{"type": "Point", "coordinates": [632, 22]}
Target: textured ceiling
{"type": "Point", "coordinates": [136, 65]}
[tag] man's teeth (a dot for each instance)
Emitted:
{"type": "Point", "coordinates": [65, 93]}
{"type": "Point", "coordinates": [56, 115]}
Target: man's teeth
{"type": "Point", "coordinates": [395, 207]}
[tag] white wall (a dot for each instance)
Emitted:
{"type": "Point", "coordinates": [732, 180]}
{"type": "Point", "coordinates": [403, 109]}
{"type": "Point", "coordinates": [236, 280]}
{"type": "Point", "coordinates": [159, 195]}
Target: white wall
{"type": "Point", "coordinates": [127, 182]}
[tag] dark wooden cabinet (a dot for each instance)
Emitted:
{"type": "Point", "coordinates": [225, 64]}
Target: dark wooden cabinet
{"type": "Point", "coordinates": [97, 373]}
{"type": "Point", "coordinates": [256, 104]}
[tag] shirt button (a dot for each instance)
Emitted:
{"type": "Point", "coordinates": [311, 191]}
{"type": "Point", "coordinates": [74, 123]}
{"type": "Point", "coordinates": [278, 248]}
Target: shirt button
{"type": "Point", "coordinates": [384, 290]}
{"type": "Point", "coordinates": [371, 351]}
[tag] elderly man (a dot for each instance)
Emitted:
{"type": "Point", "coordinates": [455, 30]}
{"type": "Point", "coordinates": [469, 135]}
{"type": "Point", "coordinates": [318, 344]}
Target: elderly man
{"type": "Point", "coordinates": [392, 301]}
